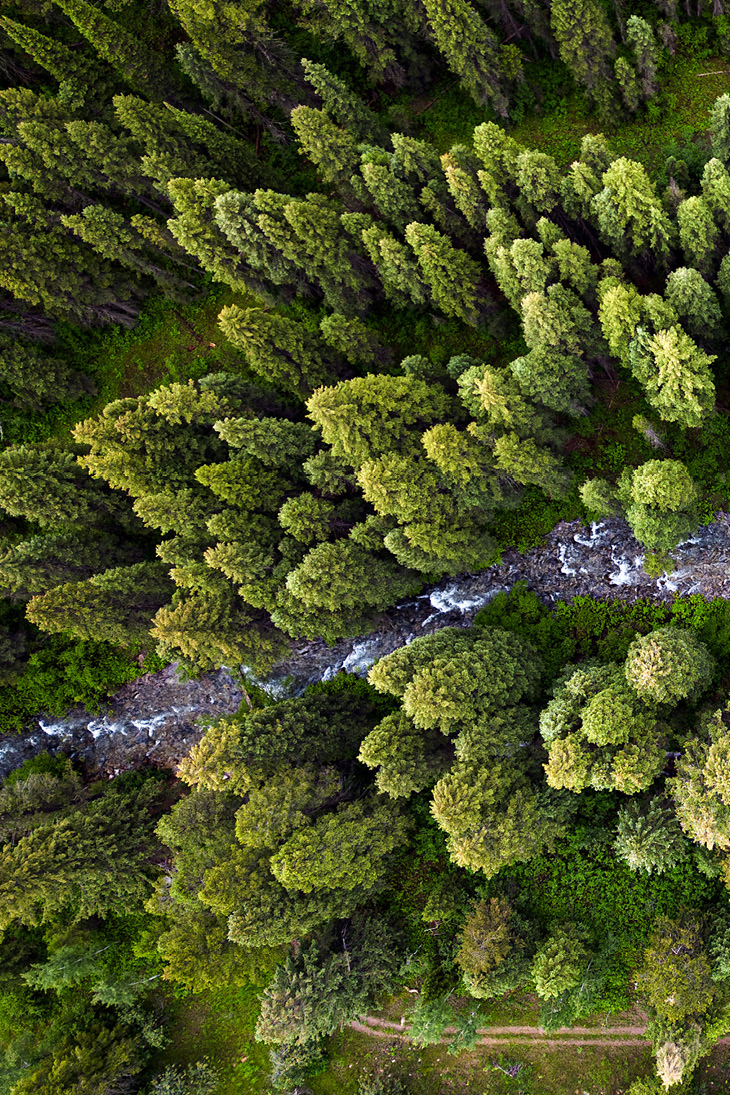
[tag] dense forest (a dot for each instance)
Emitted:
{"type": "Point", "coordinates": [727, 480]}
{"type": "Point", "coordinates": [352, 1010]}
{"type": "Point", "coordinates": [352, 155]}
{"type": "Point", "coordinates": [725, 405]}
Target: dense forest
{"type": "Point", "coordinates": [440, 326]}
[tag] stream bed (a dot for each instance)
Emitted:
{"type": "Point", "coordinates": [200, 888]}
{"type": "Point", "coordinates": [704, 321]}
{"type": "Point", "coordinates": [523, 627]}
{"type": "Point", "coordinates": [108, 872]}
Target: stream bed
{"type": "Point", "coordinates": [156, 718]}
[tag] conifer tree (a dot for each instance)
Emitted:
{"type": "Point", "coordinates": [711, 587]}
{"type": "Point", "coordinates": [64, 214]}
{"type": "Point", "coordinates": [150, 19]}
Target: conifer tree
{"type": "Point", "coordinates": [649, 839]}
{"type": "Point", "coordinates": [368, 34]}
{"type": "Point", "coordinates": [675, 374]}
{"type": "Point", "coordinates": [640, 37]}
{"type": "Point", "coordinates": [669, 665]}
{"type": "Point", "coordinates": [342, 104]}
{"type": "Point", "coordinates": [629, 214]}
{"type": "Point", "coordinates": [70, 68]}
{"type": "Point", "coordinates": [280, 350]}
{"type": "Point", "coordinates": [451, 275]}
{"type": "Point", "coordinates": [698, 233]}
{"type": "Point", "coordinates": [35, 379]}
{"type": "Point", "coordinates": [720, 128]}
{"type": "Point", "coordinates": [471, 50]}
{"type": "Point", "coordinates": [629, 84]}
{"type": "Point", "coordinates": [352, 339]}
{"type": "Point", "coordinates": [393, 197]}
{"type": "Point", "coordinates": [586, 46]}
{"type": "Point", "coordinates": [50, 487]}
{"type": "Point", "coordinates": [695, 303]}
{"type": "Point", "coordinates": [122, 50]}
{"type": "Point", "coordinates": [538, 178]}
{"type": "Point", "coordinates": [331, 149]}
{"type": "Point", "coordinates": [403, 282]}
{"type": "Point", "coordinates": [41, 562]}
{"type": "Point", "coordinates": [461, 168]}
{"type": "Point", "coordinates": [116, 605]}
{"type": "Point", "coordinates": [716, 191]}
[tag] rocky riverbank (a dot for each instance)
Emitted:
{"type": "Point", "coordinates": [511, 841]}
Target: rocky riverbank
{"type": "Point", "coordinates": [156, 719]}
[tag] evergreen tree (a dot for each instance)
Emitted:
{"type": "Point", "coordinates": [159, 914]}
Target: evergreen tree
{"type": "Point", "coordinates": [41, 562]}
{"type": "Point", "coordinates": [353, 340]}
{"type": "Point", "coordinates": [452, 277]}
{"type": "Point", "coordinates": [49, 486]}
{"type": "Point", "coordinates": [342, 104]}
{"type": "Point", "coordinates": [210, 628]}
{"type": "Point", "coordinates": [669, 665]}
{"type": "Point", "coordinates": [716, 191]}
{"type": "Point", "coordinates": [675, 974]}
{"type": "Point", "coordinates": [560, 961]}
{"type": "Point", "coordinates": [629, 214]}
{"type": "Point", "coordinates": [461, 168]}
{"type": "Point", "coordinates": [538, 178]}
{"type": "Point", "coordinates": [472, 51]}
{"type": "Point", "coordinates": [659, 500]}
{"type": "Point", "coordinates": [345, 850]}
{"type": "Point", "coordinates": [116, 605]}
{"type": "Point", "coordinates": [331, 149]}
{"type": "Point", "coordinates": [402, 279]}
{"type": "Point", "coordinates": [35, 379]}
{"type": "Point", "coordinates": [492, 950]}
{"type": "Point", "coordinates": [640, 37]}
{"type": "Point", "coordinates": [196, 229]}
{"type": "Point", "coordinates": [698, 233]}
{"type": "Point", "coordinates": [675, 374]}
{"type": "Point", "coordinates": [695, 303]}
{"type": "Point", "coordinates": [649, 839]}
{"type": "Point", "coordinates": [720, 128]}
{"type": "Point", "coordinates": [280, 350]}
{"type": "Point", "coordinates": [629, 84]}
{"type": "Point", "coordinates": [122, 50]}
{"type": "Point", "coordinates": [406, 759]}
{"type": "Point", "coordinates": [344, 576]}
{"type": "Point", "coordinates": [73, 71]}
{"type": "Point", "coordinates": [586, 46]}
{"type": "Point", "coordinates": [394, 198]}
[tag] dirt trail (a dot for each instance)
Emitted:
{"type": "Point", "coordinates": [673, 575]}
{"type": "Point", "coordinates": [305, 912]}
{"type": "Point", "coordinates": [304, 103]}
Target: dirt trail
{"type": "Point", "coordinates": [500, 1036]}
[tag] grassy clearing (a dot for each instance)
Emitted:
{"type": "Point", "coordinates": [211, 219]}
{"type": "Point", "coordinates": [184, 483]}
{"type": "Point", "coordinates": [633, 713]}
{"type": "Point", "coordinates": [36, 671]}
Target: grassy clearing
{"type": "Point", "coordinates": [220, 1025]}
{"type": "Point", "coordinates": [431, 1071]}
{"type": "Point", "coordinates": [689, 88]}
{"type": "Point", "coordinates": [171, 342]}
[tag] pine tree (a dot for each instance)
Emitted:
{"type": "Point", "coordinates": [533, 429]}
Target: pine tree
{"type": "Point", "coordinates": [716, 191]}
{"type": "Point", "coordinates": [629, 84]}
{"type": "Point", "coordinates": [586, 46]}
{"type": "Point", "coordinates": [50, 487]}
{"type": "Point", "coordinates": [406, 759]}
{"type": "Point", "coordinates": [398, 270]}
{"type": "Point", "coordinates": [629, 214]}
{"type": "Point", "coordinates": [35, 378]}
{"type": "Point", "coordinates": [675, 374]}
{"type": "Point", "coordinates": [649, 839]}
{"type": "Point", "coordinates": [280, 350]}
{"type": "Point", "coordinates": [70, 68]}
{"type": "Point", "coordinates": [331, 149]}
{"type": "Point", "coordinates": [361, 419]}
{"type": "Point", "coordinates": [346, 850]}
{"type": "Point", "coordinates": [393, 197]}
{"type": "Point", "coordinates": [114, 238]}
{"type": "Point", "coordinates": [352, 339]}
{"type": "Point", "coordinates": [640, 37]}
{"type": "Point", "coordinates": [41, 562]}
{"type": "Point", "coordinates": [720, 128]}
{"type": "Point", "coordinates": [122, 50]}
{"type": "Point", "coordinates": [695, 303]}
{"type": "Point", "coordinates": [560, 961]}
{"type": "Point", "coordinates": [675, 973]}
{"type": "Point", "coordinates": [451, 275]}
{"type": "Point", "coordinates": [471, 50]}
{"type": "Point", "coordinates": [698, 233]}
{"type": "Point", "coordinates": [461, 167]}
{"type": "Point", "coordinates": [116, 605]}
{"type": "Point", "coordinates": [538, 178]}
{"type": "Point", "coordinates": [368, 34]}
{"type": "Point", "coordinates": [343, 575]}
{"type": "Point", "coordinates": [532, 464]}
{"type": "Point", "coordinates": [669, 665]}
{"type": "Point", "coordinates": [342, 104]}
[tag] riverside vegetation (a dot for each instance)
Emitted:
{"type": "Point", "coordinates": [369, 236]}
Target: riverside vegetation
{"type": "Point", "coordinates": [426, 351]}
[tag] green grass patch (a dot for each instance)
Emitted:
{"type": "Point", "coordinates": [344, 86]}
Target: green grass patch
{"type": "Point", "coordinates": [219, 1025]}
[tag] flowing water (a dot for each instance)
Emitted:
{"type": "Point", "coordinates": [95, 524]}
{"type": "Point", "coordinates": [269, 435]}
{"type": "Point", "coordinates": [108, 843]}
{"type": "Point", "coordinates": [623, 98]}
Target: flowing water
{"type": "Point", "coordinates": [155, 719]}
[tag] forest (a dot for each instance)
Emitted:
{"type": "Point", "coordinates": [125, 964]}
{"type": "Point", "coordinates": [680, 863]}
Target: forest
{"type": "Point", "coordinates": [307, 306]}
